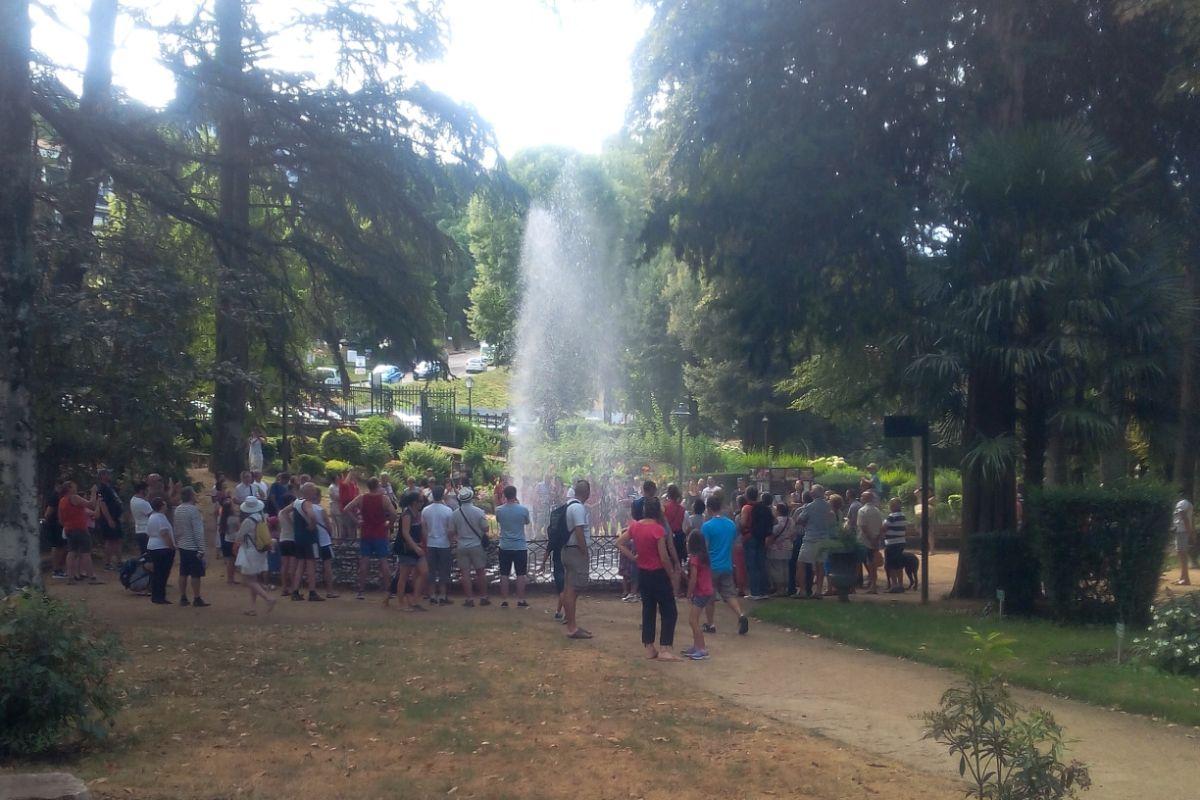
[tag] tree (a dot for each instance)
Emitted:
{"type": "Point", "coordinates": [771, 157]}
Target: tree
{"type": "Point", "coordinates": [18, 282]}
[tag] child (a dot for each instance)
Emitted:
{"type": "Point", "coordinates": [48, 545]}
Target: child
{"type": "Point", "coordinates": [700, 590]}
{"type": "Point", "coordinates": [895, 530]}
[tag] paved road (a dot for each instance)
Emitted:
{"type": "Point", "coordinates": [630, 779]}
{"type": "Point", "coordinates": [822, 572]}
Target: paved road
{"type": "Point", "coordinates": [871, 701]}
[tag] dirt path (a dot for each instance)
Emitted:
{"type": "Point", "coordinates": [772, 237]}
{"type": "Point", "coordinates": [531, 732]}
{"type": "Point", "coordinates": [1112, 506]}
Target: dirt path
{"type": "Point", "coordinates": [869, 701]}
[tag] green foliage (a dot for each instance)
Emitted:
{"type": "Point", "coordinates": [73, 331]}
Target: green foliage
{"type": "Point", "coordinates": [270, 449]}
{"type": "Point", "coordinates": [385, 429]}
{"type": "Point", "coordinates": [839, 481]}
{"type": "Point", "coordinates": [1006, 560]}
{"type": "Point", "coordinates": [1101, 548]}
{"type": "Point", "coordinates": [1004, 753]}
{"type": "Point", "coordinates": [376, 453]}
{"type": "Point", "coordinates": [56, 672]}
{"type": "Point", "coordinates": [1172, 642]}
{"type": "Point", "coordinates": [342, 444]}
{"type": "Point", "coordinates": [476, 460]}
{"type": "Point", "coordinates": [416, 457]}
{"type": "Point", "coordinates": [305, 445]}
{"type": "Point", "coordinates": [335, 468]}
{"type": "Point", "coordinates": [309, 464]}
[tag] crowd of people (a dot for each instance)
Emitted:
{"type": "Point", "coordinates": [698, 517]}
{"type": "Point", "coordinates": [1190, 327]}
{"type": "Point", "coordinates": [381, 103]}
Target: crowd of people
{"type": "Point", "coordinates": [277, 539]}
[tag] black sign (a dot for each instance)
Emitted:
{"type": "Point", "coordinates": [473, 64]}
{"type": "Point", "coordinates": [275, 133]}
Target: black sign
{"type": "Point", "coordinates": [903, 427]}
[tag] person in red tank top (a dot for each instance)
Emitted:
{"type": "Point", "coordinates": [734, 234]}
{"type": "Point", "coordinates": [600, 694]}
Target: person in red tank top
{"type": "Point", "coordinates": [347, 486]}
{"type": "Point", "coordinates": [374, 513]}
{"type": "Point", "coordinates": [74, 513]}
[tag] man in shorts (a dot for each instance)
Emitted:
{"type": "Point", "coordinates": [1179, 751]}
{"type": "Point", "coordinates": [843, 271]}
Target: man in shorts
{"type": "Point", "coordinates": [467, 528]}
{"type": "Point", "coordinates": [304, 527]}
{"type": "Point", "coordinates": [576, 559]}
{"type": "Point", "coordinates": [719, 533]}
{"type": "Point", "coordinates": [513, 518]}
{"type": "Point", "coordinates": [75, 513]}
{"type": "Point", "coordinates": [374, 514]}
{"type": "Point", "coordinates": [189, 542]}
{"type": "Point", "coordinates": [108, 519]}
{"type": "Point", "coordinates": [435, 517]}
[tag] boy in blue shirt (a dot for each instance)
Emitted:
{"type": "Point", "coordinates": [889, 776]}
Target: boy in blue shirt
{"type": "Point", "coordinates": [720, 532]}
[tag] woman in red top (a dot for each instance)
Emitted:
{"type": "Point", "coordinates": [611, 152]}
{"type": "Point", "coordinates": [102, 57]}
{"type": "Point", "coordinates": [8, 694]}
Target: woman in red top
{"type": "Point", "coordinates": [658, 573]}
{"type": "Point", "coordinates": [675, 513]}
{"type": "Point", "coordinates": [73, 514]}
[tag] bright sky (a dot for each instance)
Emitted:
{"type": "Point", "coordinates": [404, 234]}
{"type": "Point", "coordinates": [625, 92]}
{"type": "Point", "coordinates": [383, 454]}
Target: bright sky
{"type": "Point", "coordinates": [541, 71]}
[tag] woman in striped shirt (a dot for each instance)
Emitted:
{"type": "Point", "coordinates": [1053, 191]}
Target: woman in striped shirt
{"type": "Point", "coordinates": [895, 532]}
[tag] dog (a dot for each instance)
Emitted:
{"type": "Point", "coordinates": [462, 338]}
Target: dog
{"type": "Point", "coordinates": [912, 564]}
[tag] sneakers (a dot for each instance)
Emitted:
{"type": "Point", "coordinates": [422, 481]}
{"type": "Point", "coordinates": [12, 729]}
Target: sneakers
{"type": "Point", "coordinates": [522, 604]}
{"type": "Point", "coordinates": [708, 628]}
{"type": "Point", "coordinates": [199, 603]}
{"type": "Point", "coordinates": [630, 598]}
{"type": "Point", "coordinates": [504, 604]}
{"type": "Point", "coordinates": [743, 626]}
{"type": "Point", "coordinates": [313, 597]}
{"type": "Point", "coordinates": [59, 574]}
{"type": "Point", "coordinates": [483, 601]}
{"type": "Point", "coordinates": [560, 616]}
{"type": "Point", "coordinates": [687, 651]}
{"type": "Point", "coordinates": [698, 655]}
{"type": "Point", "coordinates": [183, 601]}
{"type": "Point", "coordinates": [359, 596]}
{"type": "Point", "coordinates": [297, 596]}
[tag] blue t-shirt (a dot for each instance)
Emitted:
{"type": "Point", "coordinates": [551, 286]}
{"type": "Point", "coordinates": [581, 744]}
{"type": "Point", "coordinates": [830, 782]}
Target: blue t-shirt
{"type": "Point", "coordinates": [720, 532]}
{"type": "Point", "coordinates": [512, 518]}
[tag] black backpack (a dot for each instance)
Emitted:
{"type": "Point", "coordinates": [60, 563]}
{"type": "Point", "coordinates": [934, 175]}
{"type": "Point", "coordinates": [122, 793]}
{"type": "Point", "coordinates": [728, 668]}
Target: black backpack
{"type": "Point", "coordinates": [557, 532]}
{"type": "Point", "coordinates": [133, 575]}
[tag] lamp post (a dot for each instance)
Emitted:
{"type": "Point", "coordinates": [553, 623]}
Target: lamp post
{"type": "Point", "coordinates": [470, 406]}
{"type": "Point", "coordinates": [766, 439]}
{"type": "Point", "coordinates": [681, 415]}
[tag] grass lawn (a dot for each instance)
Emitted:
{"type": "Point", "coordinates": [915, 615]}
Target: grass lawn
{"type": "Point", "coordinates": [1073, 661]}
{"type": "Point", "coordinates": [490, 391]}
{"type": "Point", "coordinates": [348, 700]}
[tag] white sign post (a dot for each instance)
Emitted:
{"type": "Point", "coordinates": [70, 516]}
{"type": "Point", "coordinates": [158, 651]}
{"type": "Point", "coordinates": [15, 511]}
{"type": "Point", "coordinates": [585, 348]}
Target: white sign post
{"type": "Point", "coordinates": [1120, 639]}
{"type": "Point", "coordinates": [1000, 599]}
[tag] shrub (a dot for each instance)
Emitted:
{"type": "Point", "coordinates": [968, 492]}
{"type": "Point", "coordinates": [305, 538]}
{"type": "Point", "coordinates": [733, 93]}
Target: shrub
{"type": "Point", "coordinates": [1101, 549]}
{"type": "Point", "coordinates": [839, 481]}
{"type": "Point", "coordinates": [1172, 642]}
{"type": "Point", "coordinates": [270, 449]}
{"type": "Point", "coordinates": [305, 445]}
{"type": "Point", "coordinates": [55, 671]}
{"type": "Point", "coordinates": [476, 461]}
{"type": "Point", "coordinates": [1006, 560]}
{"type": "Point", "coordinates": [385, 429]}
{"type": "Point", "coordinates": [418, 457]}
{"type": "Point", "coordinates": [334, 468]}
{"type": "Point", "coordinates": [308, 464]}
{"type": "Point", "coordinates": [947, 482]}
{"type": "Point", "coordinates": [898, 477]}
{"type": "Point", "coordinates": [375, 454]}
{"type": "Point", "coordinates": [342, 444]}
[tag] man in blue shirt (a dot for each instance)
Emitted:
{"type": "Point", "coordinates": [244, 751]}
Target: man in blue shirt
{"type": "Point", "coordinates": [720, 532]}
{"type": "Point", "coordinates": [513, 518]}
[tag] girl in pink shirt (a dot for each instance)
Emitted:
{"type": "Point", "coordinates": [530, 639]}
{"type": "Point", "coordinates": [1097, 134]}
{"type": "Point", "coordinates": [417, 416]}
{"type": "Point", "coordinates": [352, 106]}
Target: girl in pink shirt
{"type": "Point", "coordinates": [700, 592]}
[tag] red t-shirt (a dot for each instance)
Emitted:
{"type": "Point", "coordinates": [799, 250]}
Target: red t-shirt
{"type": "Point", "coordinates": [645, 534]}
{"type": "Point", "coordinates": [704, 587]}
{"type": "Point", "coordinates": [347, 491]}
{"type": "Point", "coordinates": [71, 516]}
{"type": "Point", "coordinates": [374, 516]}
{"type": "Point", "coordinates": [674, 513]}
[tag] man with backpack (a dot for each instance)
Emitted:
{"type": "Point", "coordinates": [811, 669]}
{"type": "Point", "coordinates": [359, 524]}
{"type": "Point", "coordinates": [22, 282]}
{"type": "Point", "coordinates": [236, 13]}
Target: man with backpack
{"type": "Point", "coordinates": [575, 556]}
{"type": "Point", "coordinates": [468, 529]}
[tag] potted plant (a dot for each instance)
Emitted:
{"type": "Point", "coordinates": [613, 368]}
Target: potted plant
{"type": "Point", "coordinates": [845, 554]}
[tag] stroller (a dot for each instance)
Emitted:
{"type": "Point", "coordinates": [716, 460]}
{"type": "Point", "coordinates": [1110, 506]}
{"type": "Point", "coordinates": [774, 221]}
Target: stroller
{"type": "Point", "coordinates": [135, 575]}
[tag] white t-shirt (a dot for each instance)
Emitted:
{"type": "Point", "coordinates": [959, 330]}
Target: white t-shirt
{"type": "Point", "coordinates": [156, 526]}
{"type": "Point", "coordinates": [577, 514]}
{"type": "Point", "coordinates": [1183, 512]}
{"type": "Point", "coordinates": [260, 489]}
{"type": "Point", "coordinates": [323, 537]}
{"type": "Point", "coordinates": [244, 490]}
{"type": "Point", "coordinates": [434, 519]}
{"type": "Point", "coordinates": [139, 508]}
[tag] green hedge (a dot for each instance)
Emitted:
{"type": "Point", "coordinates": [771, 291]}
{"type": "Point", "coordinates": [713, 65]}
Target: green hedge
{"type": "Point", "coordinates": [1101, 548]}
{"type": "Point", "coordinates": [841, 480]}
{"type": "Point", "coordinates": [309, 464]}
{"type": "Point", "coordinates": [416, 457]}
{"type": "Point", "coordinates": [395, 433]}
{"type": "Point", "coordinates": [1008, 561]}
{"type": "Point", "coordinates": [342, 444]}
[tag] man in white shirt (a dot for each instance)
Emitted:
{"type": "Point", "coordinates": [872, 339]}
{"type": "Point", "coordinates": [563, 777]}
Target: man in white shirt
{"type": "Point", "coordinates": [244, 489]}
{"type": "Point", "coordinates": [260, 486]}
{"type": "Point", "coordinates": [435, 519]}
{"type": "Point", "coordinates": [1185, 531]}
{"type": "Point", "coordinates": [575, 557]}
{"type": "Point", "coordinates": [140, 510]}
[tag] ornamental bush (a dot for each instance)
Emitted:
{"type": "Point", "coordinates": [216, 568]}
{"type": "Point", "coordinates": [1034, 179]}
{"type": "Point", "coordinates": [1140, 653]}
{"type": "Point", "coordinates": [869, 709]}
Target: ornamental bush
{"type": "Point", "coordinates": [308, 464]}
{"type": "Point", "coordinates": [376, 453]}
{"type": "Point", "coordinates": [839, 481]}
{"type": "Point", "coordinates": [342, 444]}
{"type": "Point", "coordinates": [418, 457]}
{"type": "Point", "coordinates": [334, 468]}
{"type": "Point", "coordinates": [1172, 642]}
{"type": "Point", "coordinates": [55, 675]}
{"type": "Point", "coordinates": [386, 429]}
{"type": "Point", "coordinates": [1101, 548]}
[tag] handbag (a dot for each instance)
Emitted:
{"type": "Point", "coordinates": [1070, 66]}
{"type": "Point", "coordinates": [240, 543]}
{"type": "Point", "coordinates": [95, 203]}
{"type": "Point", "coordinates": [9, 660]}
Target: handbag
{"type": "Point", "coordinates": [484, 541]}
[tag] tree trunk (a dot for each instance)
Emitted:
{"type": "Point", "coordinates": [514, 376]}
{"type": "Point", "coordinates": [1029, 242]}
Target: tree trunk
{"type": "Point", "coordinates": [18, 285]}
{"type": "Point", "coordinates": [83, 186]}
{"type": "Point", "coordinates": [989, 497]}
{"type": "Point", "coordinates": [232, 365]}
{"type": "Point", "coordinates": [1184, 473]}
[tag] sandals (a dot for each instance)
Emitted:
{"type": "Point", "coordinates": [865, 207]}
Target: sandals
{"type": "Point", "coordinates": [579, 633]}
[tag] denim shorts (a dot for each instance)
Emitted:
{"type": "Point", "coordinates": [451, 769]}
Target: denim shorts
{"type": "Point", "coordinates": [701, 600]}
{"type": "Point", "coordinates": [373, 548]}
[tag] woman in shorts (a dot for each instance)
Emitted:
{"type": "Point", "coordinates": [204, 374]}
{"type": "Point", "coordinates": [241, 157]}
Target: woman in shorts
{"type": "Point", "coordinates": [287, 542]}
{"type": "Point", "coordinates": [251, 561]}
{"type": "Point", "coordinates": [410, 554]}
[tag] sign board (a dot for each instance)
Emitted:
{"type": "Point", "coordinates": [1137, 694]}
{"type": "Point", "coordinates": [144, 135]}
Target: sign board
{"type": "Point", "coordinates": [360, 362]}
{"type": "Point", "coordinates": [352, 355]}
{"type": "Point", "coordinates": [903, 427]}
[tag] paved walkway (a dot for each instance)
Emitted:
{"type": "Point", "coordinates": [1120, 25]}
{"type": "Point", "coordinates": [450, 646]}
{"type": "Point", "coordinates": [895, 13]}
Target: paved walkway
{"type": "Point", "coordinates": [870, 701]}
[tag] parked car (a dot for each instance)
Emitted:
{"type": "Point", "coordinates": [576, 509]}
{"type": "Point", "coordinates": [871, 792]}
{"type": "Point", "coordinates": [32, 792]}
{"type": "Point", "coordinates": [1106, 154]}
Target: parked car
{"type": "Point", "coordinates": [475, 364]}
{"type": "Point", "coordinates": [388, 373]}
{"type": "Point", "coordinates": [427, 370]}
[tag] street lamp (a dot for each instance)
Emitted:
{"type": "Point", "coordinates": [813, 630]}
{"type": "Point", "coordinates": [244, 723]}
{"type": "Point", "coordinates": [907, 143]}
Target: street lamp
{"type": "Point", "coordinates": [681, 415]}
{"type": "Point", "coordinates": [766, 439]}
{"type": "Point", "coordinates": [470, 406]}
